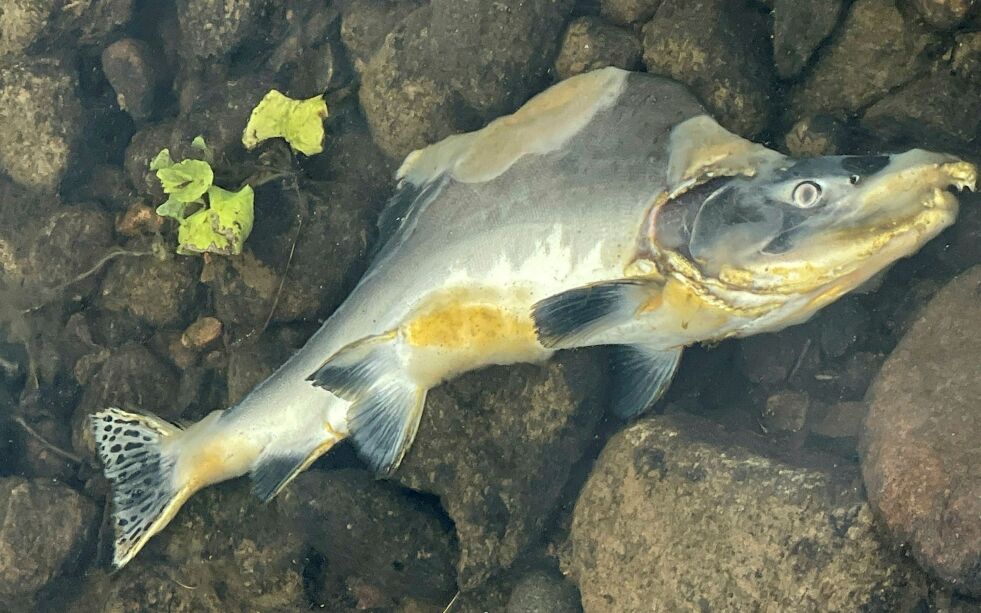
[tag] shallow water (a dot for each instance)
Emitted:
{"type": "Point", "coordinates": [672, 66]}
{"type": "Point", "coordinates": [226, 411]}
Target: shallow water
{"type": "Point", "coordinates": [825, 467]}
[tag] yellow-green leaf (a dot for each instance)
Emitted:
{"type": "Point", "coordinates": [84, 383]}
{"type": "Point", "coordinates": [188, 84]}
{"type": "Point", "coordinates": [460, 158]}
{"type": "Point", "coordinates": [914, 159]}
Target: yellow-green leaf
{"type": "Point", "coordinates": [221, 228]}
{"type": "Point", "coordinates": [173, 208]}
{"type": "Point", "coordinates": [300, 122]}
{"type": "Point", "coordinates": [187, 180]}
{"type": "Point", "coordinates": [162, 160]}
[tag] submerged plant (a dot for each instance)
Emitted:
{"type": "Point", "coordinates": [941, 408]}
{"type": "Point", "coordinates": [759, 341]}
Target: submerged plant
{"type": "Point", "coordinates": [300, 122]}
{"type": "Point", "coordinates": [212, 219]}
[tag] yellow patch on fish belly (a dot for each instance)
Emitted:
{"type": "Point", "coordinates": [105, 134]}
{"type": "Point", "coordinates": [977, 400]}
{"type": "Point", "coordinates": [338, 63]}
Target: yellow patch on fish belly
{"type": "Point", "coordinates": [470, 326]}
{"type": "Point", "coordinates": [693, 312]}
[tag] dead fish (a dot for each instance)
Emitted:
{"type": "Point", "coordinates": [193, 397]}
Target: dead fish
{"type": "Point", "coordinates": [608, 210]}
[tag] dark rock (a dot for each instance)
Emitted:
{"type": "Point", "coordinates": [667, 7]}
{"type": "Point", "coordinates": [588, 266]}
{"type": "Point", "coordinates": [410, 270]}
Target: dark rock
{"type": "Point", "coordinates": [336, 229]}
{"type": "Point", "coordinates": [496, 446]}
{"type": "Point", "coordinates": [841, 420]}
{"type": "Point", "coordinates": [939, 111]}
{"type": "Point", "coordinates": [943, 14]}
{"type": "Point", "coordinates": [43, 526]}
{"type": "Point", "coordinates": [365, 23]}
{"type": "Point", "coordinates": [132, 379]}
{"type": "Point", "coordinates": [157, 291]}
{"type": "Point", "coordinates": [786, 411]}
{"type": "Point", "coordinates": [38, 458]}
{"type": "Point", "coordinates": [496, 56]}
{"type": "Point", "coordinates": [251, 362]}
{"type": "Point", "coordinates": [966, 58]}
{"type": "Point", "coordinates": [143, 147]}
{"type": "Point", "coordinates": [40, 121]}
{"type": "Point", "coordinates": [727, 528]}
{"type": "Point", "coordinates": [920, 447]}
{"type": "Point", "coordinates": [798, 29]}
{"type": "Point", "coordinates": [68, 243]}
{"type": "Point", "coordinates": [310, 55]}
{"type": "Point", "coordinates": [374, 532]}
{"type": "Point", "coordinates": [159, 587]}
{"type": "Point", "coordinates": [842, 325]}
{"type": "Point", "coordinates": [451, 66]}
{"type": "Point", "coordinates": [131, 68]}
{"type": "Point", "coordinates": [815, 136]}
{"type": "Point", "coordinates": [541, 592]}
{"type": "Point", "coordinates": [28, 23]}
{"type": "Point", "coordinates": [771, 359]}
{"type": "Point", "coordinates": [591, 43]}
{"type": "Point", "coordinates": [876, 51]}
{"type": "Point", "coordinates": [213, 28]}
{"type": "Point", "coordinates": [627, 12]}
{"type": "Point", "coordinates": [714, 47]}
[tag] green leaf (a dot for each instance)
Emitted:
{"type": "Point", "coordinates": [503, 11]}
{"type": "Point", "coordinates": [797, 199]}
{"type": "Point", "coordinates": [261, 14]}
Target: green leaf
{"type": "Point", "coordinates": [300, 122]}
{"type": "Point", "coordinates": [173, 208]}
{"type": "Point", "coordinates": [199, 144]}
{"type": "Point", "coordinates": [186, 181]}
{"type": "Point", "coordinates": [223, 227]}
{"type": "Point", "coordinates": [162, 160]}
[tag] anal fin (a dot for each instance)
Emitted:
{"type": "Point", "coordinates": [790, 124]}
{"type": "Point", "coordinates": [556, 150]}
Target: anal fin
{"type": "Point", "coordinates": [570, 318]}
{"type": "Point", "coordinates": [640, 377]}
{"type": "Point", "coordinates": [276, 468]}
{"type": "Point", "coordinates": [386, 405]}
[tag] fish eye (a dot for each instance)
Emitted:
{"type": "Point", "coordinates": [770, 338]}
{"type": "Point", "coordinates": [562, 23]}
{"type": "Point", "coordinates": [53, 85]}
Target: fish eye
{"type": "Point", "coordinates": [854, 179]}
{"type": "Point", "coordinates": [806, 194]}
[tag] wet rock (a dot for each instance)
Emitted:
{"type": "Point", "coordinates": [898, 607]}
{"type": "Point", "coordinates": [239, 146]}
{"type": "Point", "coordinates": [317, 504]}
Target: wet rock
{"type": "Point", "coordinates": [841, 420]}
{"type": "Point", "coordinates": [406, 107]}
{"type": "Point", "coordinates": [627, 12]}
{"type": "Point", "coordinates": [202, 333]}
{"type": "Point", "coordinates": [842, 325]}
{"type": "Point", "coordinates": [213, 28]}
{"type": "Point", "coordinates": [920, 446]}
{"type": "Point", "coordinates": [496, 446]}
{"type": "Point", "coordinates": [27, 23]}
{"type": "Point", "coordinates": [966, 58]}
{"type": "Point", "coordinates": [40, 121]}
{"type": "Point", "coordinates": [726, 528]}
{"type": "Point", "coordinates": [876, 51]}
{"type": "Point", "coordinates": [542, 592]}
{"type": "Point", "coordinates": [771, 359]}
{"type": "Point", "coordinates": [496, 57]}
{"type": "Point", "coordinates": [43, 526]}
{"type": "Point", "coordinates": [714, 47]}
{"type": "Point", "coordinates": [251, 362]}
{"type": "Point", "coordinates": [798, 29]}
{"type": "Point", "coordinates": [132, 379]}
{"type": "Point", "coordinates": [490, 59]}
{"type": "Point", "coordinates": [158, 291]}
{"type": "Point", "coordinates": [943, 14]}
{"type": "Point", "coordinates": [40, 458]}
{"type": "Point", "coordinates": [937, 111]}
{"type": "Point", "coordinates": [365, 23]}
{"type": "Point", "coordinates": [373, 532]}
{"type": "Point", "coordinates": [131, 68]}
{"type": "Point", "coordinates": [67, 244]}
{"type": "Point", "coordinates": [139, 219]}
{"type": "Point", "coordinates": [336, 230]}
{"type": "Point", "coordinates": [160, 587]}
{"type": "Point", "coordinates": [815, 136]}
{"type": "Point", "coordinates": [786, 411]}
{"type": "Point", "coordinates": [591, 43]}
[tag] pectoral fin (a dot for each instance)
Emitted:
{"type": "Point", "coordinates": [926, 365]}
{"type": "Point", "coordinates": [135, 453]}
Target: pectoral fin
{"type": "Point", "coordinates": [640, 377]}
{"type": "Point", "coordinates": [572, 317]}
{"type": "Point", "coordinates": [386, 405]}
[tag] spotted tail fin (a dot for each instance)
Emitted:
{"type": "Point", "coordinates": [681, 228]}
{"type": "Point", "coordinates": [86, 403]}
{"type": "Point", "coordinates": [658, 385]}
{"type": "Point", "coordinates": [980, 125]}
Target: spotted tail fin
{"type": "Point", "coordinates": [145, 495]}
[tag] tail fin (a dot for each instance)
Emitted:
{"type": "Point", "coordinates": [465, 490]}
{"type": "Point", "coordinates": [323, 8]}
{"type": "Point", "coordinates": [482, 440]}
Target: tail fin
{"type": "Point", "coordinates": [144, 494]}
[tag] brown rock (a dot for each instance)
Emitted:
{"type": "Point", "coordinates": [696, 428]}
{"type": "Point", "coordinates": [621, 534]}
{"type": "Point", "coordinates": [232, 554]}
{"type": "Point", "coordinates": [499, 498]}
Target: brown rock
{"type": "Point", "coordinates": [939, 111]}
{"type": "Point", "coordinates": [496, 446]}
{"type": "Point", "coordinates": [627, 12]}
{"type": "Point", "coordinates": [157, 291]}
{"type": "Point", "coordinates": [201, 333]}
{"type": "Point", "coordinates": [876, 51]}
{"type": "Point", "coordinates": [786, 411]}
{"type": "Point", "coordinates": [920, 449]}
{"type": "Point", "coordinates": [43, 525]}
{"type": "Point", "coordinates": [591, 43]}
{"type": "Point", "coordinates": [798, 29]}
{"type": "Point", "coordinates": [131, 68]}
{"type": "Point", "coordinates": [365, 23]}
{"type": "Point", "coordinates": [943, 14]}
{"type": "Point", "coordinates": [139, 219]}
{"type": "Point", "coordinates": [677, 512]}
{"type": "Point", "coordinates": [714, 47]}
{"type": "Point", "coordinates": [966, 59]}
{"type": "Point", "coordinates": [815, 136]}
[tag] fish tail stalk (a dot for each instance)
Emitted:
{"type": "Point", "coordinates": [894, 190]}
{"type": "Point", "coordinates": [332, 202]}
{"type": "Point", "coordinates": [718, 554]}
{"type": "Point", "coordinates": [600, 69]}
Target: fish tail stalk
{"type": "Point", "coordinates": [145, 493]}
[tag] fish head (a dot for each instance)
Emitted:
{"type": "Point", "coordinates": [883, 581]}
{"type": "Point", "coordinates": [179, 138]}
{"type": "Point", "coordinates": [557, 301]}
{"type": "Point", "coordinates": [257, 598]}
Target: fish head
{"type": "Point", "coordinates": [798, 234]}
